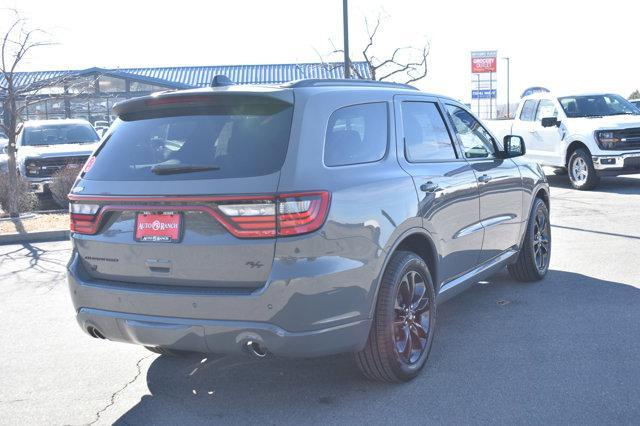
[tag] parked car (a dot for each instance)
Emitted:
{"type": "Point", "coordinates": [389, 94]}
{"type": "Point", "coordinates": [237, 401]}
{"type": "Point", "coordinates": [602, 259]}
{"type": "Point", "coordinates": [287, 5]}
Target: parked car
{"type": "Point", "coordinates": [312, 218]}
{"type": "Point", "coordinates": [46, 146]}
{"type": "Point", "coordinates": [636, 103]}
{"type": "Point", "coordinates": [587, 135]}
{"type": "Point", "coordinates": [101, 126]}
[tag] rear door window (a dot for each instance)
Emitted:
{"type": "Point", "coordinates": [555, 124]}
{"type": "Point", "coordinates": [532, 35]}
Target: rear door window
{"type": "Point", "coordinates": [425, 134]}
{"type": "Point", "coordinates": [528, 112]}
{"type": "Point", "coordinates": [217, 142]}
{"type": "Point", "coordinates": [356, 134]}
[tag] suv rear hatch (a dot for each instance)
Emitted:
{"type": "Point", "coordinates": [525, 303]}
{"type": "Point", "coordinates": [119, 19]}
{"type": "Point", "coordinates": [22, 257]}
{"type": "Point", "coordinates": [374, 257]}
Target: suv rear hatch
{"type": "Point", "coordinates": [182, 191]}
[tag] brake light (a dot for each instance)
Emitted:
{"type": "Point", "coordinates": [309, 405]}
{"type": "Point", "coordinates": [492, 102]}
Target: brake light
{"type": "Point", "coordinates": [284, 215]}
{"type": "Point", "coordinates": [83, 218]}
{"type": "Point", "coordinates": [171, 100]}
{"type": "Point", "coordinates": [89, 164]}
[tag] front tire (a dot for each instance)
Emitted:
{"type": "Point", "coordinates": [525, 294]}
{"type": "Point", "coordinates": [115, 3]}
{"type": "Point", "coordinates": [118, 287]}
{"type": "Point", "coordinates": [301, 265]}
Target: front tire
{"type": "Point", "coordinates": [582, 174]}
{"type": "Point", "coordinates": [535, 253]}
{"type": "Point", "coordinates": [404, 322]}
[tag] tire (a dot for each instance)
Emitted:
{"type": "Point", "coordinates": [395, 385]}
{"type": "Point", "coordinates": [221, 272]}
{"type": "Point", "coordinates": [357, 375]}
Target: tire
{"type": "Point", "coordinates": [63, 203]}
{"type": "Point", "coordinates": [169, 352]}
{"type": "Point", "coordinates": [582, 174]}
{"type": "Point", "coordinates": [535, 253]}
{"type": "Point", "coordinates": [400, 322]}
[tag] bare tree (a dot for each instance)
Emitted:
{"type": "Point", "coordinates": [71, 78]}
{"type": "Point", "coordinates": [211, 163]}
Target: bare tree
{"type": "Point", "coordinates": [405, 64]}
{"type": "Point", "coordinates": [18, 41]}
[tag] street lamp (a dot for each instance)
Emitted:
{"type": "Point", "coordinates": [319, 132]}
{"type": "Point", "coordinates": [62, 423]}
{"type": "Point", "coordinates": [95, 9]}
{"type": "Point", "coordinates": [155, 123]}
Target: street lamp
{"type": "Point", "coordinates": [508, 97]}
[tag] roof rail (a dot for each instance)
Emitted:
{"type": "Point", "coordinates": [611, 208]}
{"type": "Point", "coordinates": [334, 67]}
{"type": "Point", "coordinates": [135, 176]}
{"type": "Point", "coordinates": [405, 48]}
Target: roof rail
{"type": "Point", "coordinates": [318, 82]}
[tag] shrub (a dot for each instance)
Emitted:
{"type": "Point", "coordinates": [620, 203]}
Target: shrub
{"type": "Point", "coordinates": [61, 185]}
{"type": "Point", "coordinates": [27, 200]}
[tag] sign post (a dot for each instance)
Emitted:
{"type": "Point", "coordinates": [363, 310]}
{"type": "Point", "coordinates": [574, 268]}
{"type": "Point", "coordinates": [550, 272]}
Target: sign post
{"type": "Point", "coordinates": [482, 63]}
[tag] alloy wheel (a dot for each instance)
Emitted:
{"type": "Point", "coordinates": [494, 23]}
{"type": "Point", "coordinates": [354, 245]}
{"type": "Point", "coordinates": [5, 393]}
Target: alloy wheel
{"type": "Point", "coordinates": [411, 326]}
{"type": "Point", "coordinates": [541, 240]}
{"type": "Point", "coordinates": [579, 170]}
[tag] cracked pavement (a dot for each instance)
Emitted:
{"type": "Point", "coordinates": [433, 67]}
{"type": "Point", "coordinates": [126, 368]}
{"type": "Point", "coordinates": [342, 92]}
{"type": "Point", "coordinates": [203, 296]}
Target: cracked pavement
{"type": "Point", "coordinates": [565, 350]}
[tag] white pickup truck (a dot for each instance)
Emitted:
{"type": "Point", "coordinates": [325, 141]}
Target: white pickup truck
{"type": "Point", "coordinates": [589, 135]}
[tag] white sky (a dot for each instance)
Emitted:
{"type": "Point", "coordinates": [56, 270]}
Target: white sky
{"type": "Point", "coordinates": [567, 46]}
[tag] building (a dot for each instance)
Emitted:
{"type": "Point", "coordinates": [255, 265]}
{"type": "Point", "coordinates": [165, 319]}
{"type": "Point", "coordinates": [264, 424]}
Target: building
{"type": "Point", "coordinates": [91, 93]}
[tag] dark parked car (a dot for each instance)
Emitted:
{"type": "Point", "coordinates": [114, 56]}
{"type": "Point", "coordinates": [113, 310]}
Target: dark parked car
{"type": "Point", "coordinates": [306, 219]}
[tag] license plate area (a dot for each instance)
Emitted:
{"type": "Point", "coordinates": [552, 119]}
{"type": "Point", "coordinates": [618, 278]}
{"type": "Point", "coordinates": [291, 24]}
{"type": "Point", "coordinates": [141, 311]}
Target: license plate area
{"type": "Point", "coordinates": [158, 227]}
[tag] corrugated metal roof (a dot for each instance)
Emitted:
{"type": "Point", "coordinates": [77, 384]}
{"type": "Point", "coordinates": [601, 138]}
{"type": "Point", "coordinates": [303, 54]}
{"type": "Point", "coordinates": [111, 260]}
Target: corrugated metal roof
{"type": "Point", "coordinates": [199, 76]}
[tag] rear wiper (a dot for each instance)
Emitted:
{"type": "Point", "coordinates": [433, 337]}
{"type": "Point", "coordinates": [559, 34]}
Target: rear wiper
{"type": "Point", "coordinates": [172, 169]}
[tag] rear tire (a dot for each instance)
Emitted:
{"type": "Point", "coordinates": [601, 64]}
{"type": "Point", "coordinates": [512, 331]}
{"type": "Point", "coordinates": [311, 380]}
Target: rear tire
{"type": "Point", "coordinates": [169, 352]}
{"type": "Point", "coordinates": [404, 322]}
{"type": "Point", "coordinates": [582, 174]}
{"type": "Point", "coordinates": [535, 253]}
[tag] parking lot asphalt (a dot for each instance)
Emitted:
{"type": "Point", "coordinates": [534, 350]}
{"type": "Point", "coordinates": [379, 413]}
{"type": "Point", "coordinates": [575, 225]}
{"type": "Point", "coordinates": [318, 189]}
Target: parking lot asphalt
{"type": "Point", "coordinates": [563, 350]}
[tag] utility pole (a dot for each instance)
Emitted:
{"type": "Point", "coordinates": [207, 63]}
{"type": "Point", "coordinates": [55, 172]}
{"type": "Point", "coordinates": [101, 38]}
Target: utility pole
{"type": "Point", "coordinates": [345, 24]}
{"type": "Point", "coordinates": [508, 78]}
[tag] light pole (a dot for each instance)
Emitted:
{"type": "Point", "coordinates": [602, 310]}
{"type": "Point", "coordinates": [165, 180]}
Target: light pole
{"type": "Point", "coordinates": [506, 58]}
{"type": "Point", "coordinates": [345, 25]}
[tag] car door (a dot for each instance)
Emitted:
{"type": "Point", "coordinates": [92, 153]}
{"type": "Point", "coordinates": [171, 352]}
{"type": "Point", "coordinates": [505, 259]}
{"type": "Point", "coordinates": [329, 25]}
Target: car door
{"type": "Point", "coordinates": [445, 183]}
{"type": "Point", "coordinates": [547, 140]}
{"type": "Point", "coordinates": [524, 126]}
{"type": "Point", "coordinates": [499, 183]}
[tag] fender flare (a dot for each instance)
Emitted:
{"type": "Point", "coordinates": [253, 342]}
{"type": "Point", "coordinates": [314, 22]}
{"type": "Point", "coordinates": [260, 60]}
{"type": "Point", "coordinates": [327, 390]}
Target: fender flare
{"type": "Point", "coordinates": [539, 187]}
{"type": "Point", "coordinates": [390, 251]}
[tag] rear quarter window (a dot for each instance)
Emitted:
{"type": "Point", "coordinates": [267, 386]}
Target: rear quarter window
{"type": "Point", "coordinates": [356, 134]}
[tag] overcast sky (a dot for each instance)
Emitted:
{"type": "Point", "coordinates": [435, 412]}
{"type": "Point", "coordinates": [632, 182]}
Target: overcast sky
{"type": "Point", "coordinates": [563, 45]}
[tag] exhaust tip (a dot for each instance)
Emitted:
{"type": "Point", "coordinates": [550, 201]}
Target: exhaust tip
{"type": "Point", "coordinates": [94, 332]}
{"type": "Point", "coordinates": [255, 349]}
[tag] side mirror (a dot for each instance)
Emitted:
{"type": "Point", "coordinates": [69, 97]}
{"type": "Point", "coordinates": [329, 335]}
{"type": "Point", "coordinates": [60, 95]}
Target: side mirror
{"type": "Point", "coordinates": [513, 146]}
{"type": "Point", "coordinates": [550, 122]}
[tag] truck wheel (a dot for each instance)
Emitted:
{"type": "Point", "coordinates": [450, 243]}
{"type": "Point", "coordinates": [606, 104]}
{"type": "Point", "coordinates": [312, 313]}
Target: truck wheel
{"type": "Point", "coordinates": [535, 253]}
{"type": "Point", "coordinates": [404, 322]}
{"type": "Point", "coordinates": [582, 174]}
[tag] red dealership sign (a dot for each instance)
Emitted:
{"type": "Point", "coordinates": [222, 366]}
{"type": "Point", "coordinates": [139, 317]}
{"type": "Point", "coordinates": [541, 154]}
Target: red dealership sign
{"type": "Point", "coordinates": [484, 61]}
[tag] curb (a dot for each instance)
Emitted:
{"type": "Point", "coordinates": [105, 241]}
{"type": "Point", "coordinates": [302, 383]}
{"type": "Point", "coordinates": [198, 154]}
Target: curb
{"type": "Point", "coordinates": [34, 237]}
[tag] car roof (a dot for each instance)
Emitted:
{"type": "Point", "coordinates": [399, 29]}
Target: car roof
{"type": "Point", "coordinates": [61, 122]}
{"type": "Point", "coordinates": [280, 91]}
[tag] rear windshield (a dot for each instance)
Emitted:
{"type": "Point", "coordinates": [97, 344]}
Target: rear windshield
{"type": "Point", "coordinates": [216, 142]}
{"type": "Point", "coordinates": [59, 134]}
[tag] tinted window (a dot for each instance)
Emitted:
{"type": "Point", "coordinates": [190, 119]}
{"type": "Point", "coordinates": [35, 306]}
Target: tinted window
{"type": "Point", "coordinates": [425, 134]}
{"type": "Point", "coordinates": [247, 139]}
{"type": "Point", "coordinates": [546, 109]}
{"type": "Point", "coordinates": [476, 141]}
{"type": "Point", "coordinates": [356, 134]}
{"type": "Point", "coordinates": [528, 110]}
{"type": "Point", "coordinates": [59, 134]}
{"type": "Point", "coordinates": [596, 106]}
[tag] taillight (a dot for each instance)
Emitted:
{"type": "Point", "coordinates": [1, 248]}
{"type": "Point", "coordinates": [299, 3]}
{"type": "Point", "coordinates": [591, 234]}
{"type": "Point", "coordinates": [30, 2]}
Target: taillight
{"type": "Point", "coordinates": [302, 213]}
{"type": "Point", "coordinates": [83, 218]}
{"type": "Point", "coordinates": [284, 215]}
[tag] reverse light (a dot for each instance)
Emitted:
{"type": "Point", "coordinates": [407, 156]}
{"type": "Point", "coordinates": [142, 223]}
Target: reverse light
{"type": "Point", "coordinates": [283, 215]}
{"type": "Point", "coordinates": [83, 218]}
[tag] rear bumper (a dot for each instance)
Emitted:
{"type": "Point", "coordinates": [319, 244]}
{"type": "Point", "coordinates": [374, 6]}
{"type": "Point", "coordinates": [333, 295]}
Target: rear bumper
{"type": "Point", "coordinates": [613, 165]}
{"type": "Point", "coordinates": [216, 336]}
{"type": "Point", "coordinates": [278, 317]}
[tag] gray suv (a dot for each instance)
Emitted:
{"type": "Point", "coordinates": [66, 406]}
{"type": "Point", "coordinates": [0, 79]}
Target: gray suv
{"type": "Point", "coordinates": [312, 218]}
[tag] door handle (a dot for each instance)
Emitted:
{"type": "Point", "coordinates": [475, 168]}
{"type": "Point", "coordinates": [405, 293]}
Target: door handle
{"type": "Point", "coordinates": [429, 187]}
{"type": "Point", "coordinates": [484, 178]}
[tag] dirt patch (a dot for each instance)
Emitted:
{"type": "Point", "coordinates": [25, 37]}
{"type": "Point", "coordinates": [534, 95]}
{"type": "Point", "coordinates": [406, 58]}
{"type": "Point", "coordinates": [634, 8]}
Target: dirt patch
{"type": "Point", "coordinates": [37, 223]}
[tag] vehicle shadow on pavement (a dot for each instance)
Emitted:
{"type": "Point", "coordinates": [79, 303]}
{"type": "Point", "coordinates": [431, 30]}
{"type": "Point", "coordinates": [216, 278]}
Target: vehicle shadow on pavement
{"type": "Point", "coordinates": [563, 350]}
{"type": "Point", "coordinates": [617, 185]}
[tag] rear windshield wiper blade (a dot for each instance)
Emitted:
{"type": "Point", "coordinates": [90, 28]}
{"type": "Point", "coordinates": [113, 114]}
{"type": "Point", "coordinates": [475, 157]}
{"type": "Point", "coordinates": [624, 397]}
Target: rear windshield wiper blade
{"type": "Point", "coordinates": [172, 169]}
